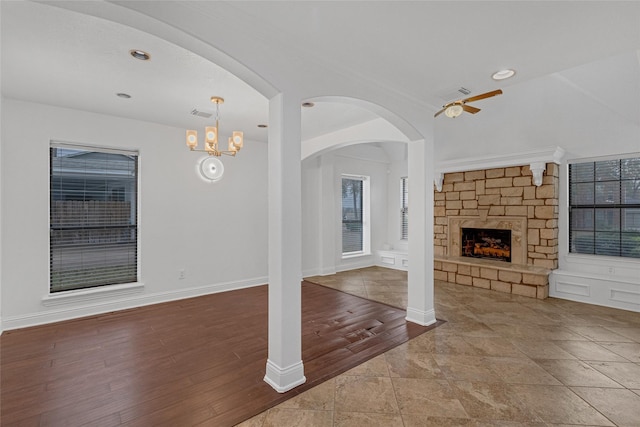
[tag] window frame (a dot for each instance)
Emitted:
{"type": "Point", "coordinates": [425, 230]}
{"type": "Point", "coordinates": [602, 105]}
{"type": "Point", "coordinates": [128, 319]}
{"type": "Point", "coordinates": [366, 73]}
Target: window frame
{"type": "Point", "coordinates": [365, 220]}
{"type": "Point", "coordinates": [608, 208]}
{"type": "Point", "coordinates": [133, 226]}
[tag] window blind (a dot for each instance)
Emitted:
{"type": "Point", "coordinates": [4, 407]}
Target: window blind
{"type": "Point", "coordinates": [352, 230]}
{"type": "Point", "coordinates": [404, 208]}
{"type": "Point", "coordinates": [93, 217]}
{"type": "Point", "coordinates": [604, 206]}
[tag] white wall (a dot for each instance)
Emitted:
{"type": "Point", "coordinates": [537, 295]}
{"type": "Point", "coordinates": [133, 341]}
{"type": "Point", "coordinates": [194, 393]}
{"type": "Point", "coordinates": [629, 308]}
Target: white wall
{"type": "Point", "coordinates": [1, 327]}
{"type": "Point", "coordinates": [321, 206]}
{"type": "Point", "coordinates": [216, 232]}
{"type": "Point", "coordinates": [397, 170]}
{"type": "Point", "coordinates": [313, 216]}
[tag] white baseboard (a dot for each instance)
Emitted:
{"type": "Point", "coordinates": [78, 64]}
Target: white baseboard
{"type": "Point", "coordinates": [356, 263]}
{"type": "Point", "coordinates": [317, 272]}
{"type": "Point", "coordinates": [327, 271]}
{"type": "Point", "coordinates": [108, 304]}
{"type": "Point", "coordinates": [345, 264]}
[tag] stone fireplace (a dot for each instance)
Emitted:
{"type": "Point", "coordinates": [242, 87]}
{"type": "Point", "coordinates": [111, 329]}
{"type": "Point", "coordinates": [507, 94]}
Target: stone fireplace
{"type": "Point", "coordinates": [511, 201]}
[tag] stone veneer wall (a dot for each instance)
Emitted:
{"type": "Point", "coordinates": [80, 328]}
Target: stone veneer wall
{"type": "Point", "coordinates": [507, 192]}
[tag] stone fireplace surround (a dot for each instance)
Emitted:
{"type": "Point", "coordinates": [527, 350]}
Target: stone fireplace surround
{"type": "Point", "coordinates": [509, 194]}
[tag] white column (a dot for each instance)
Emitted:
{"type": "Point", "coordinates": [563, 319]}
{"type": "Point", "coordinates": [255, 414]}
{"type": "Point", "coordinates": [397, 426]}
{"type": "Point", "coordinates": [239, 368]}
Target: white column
{"type": "Point", "coordinates": [284, 364]}
{"type": "Point", "coordinates": [420, 302]}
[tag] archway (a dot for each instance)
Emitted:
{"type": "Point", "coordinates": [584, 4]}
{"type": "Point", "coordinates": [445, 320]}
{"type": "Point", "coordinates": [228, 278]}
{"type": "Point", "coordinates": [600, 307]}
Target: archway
{"type": "Point", "coordinates": [418, 164]}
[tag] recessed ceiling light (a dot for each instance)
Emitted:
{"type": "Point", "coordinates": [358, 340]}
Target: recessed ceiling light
{"type": "Point", "coordinates": [140, 54]}
{"type": "Point", "coordinates": [262, 126]}
{"type": "Point", "coordinates": [308, 104]}
{"type": "Point", "coordinates": [503, 74]}
{"type": "Point", "coordinates": [123, 95]}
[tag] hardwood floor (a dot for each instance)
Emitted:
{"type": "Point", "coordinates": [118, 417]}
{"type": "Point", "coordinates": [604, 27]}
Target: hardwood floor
{"type": "Point", "coordinates": [189, 362]}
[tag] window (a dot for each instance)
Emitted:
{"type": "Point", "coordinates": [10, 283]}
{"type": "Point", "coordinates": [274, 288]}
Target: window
{"type": "Point", "coordinates": [404, 208]}
{"type": "Point", "coordinates": [604, 207]}
{"type": "Point", "coordinates": [355, 231]}
{"type": "Point", "coordinates": [93, 217]}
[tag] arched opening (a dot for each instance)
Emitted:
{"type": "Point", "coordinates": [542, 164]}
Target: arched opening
{"type": "Point", "coordinates": [344, 136]}
{"type": "Point", "coordinates": [348, 137]}
{"type": "Point", "coordinates": [376, 151]}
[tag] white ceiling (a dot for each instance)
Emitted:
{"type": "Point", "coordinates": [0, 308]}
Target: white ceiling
{"type": "Point", "coordinates": [426, 49]}
{"type": "Point", "coordinates": [422, 51]}
{"type": "Point", "coordinates": [59, 57]}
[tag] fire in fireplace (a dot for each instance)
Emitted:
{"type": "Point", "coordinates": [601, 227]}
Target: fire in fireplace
{"type": "Point", "coordinates": [486, 243]}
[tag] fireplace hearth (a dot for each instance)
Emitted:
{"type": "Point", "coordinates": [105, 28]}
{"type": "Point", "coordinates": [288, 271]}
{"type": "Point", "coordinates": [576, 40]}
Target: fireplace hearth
{"type": "Point", "coordinates": [486, 243]}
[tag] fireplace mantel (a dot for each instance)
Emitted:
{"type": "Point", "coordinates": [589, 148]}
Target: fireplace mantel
{"type": "Point", "coordinates": [535, 159]}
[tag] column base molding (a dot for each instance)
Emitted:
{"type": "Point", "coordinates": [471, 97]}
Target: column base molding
{"type": "Point", "coordinates": [422, 318]}
{"type": "Point", "coordinates": [284, 379]}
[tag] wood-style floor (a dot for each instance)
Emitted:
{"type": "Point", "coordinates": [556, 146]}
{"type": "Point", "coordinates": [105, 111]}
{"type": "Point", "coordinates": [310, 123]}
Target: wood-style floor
{"type": "Point", "coordinates": [199, 361]}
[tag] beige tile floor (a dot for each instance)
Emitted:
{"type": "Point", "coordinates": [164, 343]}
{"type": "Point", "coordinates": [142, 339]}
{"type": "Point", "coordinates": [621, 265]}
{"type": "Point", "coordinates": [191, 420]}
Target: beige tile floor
{"type": "Point", "coordinates": [500, 360]}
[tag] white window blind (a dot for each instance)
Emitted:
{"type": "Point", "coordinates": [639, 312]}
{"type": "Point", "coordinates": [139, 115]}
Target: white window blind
{"type": "Point", "coordinates": [93, 217]}
{"type": "Point", "coordinates": [352, 215]}
{"type": "Point", "coordinates": [404, 208]}
{"type": "Point", "coordinates": [604, 208]}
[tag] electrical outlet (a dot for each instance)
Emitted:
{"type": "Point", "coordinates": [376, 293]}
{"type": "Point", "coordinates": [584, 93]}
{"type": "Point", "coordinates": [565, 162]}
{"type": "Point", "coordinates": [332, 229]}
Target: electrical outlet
{"type": "Point", "coordinates": [182, 273]}
{"type": "Point", "coordinates": [612, 270]}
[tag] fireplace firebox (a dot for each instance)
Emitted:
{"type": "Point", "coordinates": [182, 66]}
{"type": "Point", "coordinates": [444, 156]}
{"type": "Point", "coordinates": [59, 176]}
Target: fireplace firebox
{"type": "Point", "coordinates": [486, 243]}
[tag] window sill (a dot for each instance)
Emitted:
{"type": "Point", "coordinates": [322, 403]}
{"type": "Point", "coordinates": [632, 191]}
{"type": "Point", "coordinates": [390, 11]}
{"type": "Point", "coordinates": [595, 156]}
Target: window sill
{"type": "Point", "coordinates": [600, 266]}
{"type": "Point", "coordinates": [355, 255]}
{"type": "Point", "coordinates": [600, 259]}
{"type": "Point", "coordinates": [84, 295]}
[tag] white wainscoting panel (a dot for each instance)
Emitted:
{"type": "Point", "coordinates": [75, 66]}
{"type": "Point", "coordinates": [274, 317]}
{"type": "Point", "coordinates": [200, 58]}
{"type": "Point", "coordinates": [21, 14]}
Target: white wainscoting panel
{"type": "Point", "coordinates": [616, 292]}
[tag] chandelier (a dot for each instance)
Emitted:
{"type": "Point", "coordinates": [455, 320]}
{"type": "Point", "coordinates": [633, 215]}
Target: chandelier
{"type": "Point", "coordinates": [211, 137]}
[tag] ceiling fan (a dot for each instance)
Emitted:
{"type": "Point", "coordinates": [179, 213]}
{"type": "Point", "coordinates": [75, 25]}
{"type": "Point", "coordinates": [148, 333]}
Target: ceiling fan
{"type": "Point", "coordinates": [455, 108]}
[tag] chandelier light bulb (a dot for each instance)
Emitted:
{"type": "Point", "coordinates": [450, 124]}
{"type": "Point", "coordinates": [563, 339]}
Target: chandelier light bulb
{"type": "Point", "coordinates": [192, 139]}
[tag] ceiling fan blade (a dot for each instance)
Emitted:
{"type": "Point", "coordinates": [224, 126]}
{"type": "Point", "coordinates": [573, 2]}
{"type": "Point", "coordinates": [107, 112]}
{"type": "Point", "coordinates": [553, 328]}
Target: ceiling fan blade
{"type": "Point", "coordinates": [439, 112]}
{"type": "Point", "coordinates": [470, 109]}
{"type": "Point", "coordinates": [483, 96]}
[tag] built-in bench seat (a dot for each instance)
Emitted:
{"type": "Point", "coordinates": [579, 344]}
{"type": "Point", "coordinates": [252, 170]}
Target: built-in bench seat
{"type": "Point", "coordinates": [391, 258]}
{"type": "Point", "coordinates": [511, 278]}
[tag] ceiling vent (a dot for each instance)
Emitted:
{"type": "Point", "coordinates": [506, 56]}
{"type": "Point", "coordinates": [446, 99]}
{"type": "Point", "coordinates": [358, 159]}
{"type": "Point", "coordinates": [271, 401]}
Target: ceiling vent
{"type": "Point", "coordinates": [454, 94]}
{"type": "Point", "coordinates": [198, 113]}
